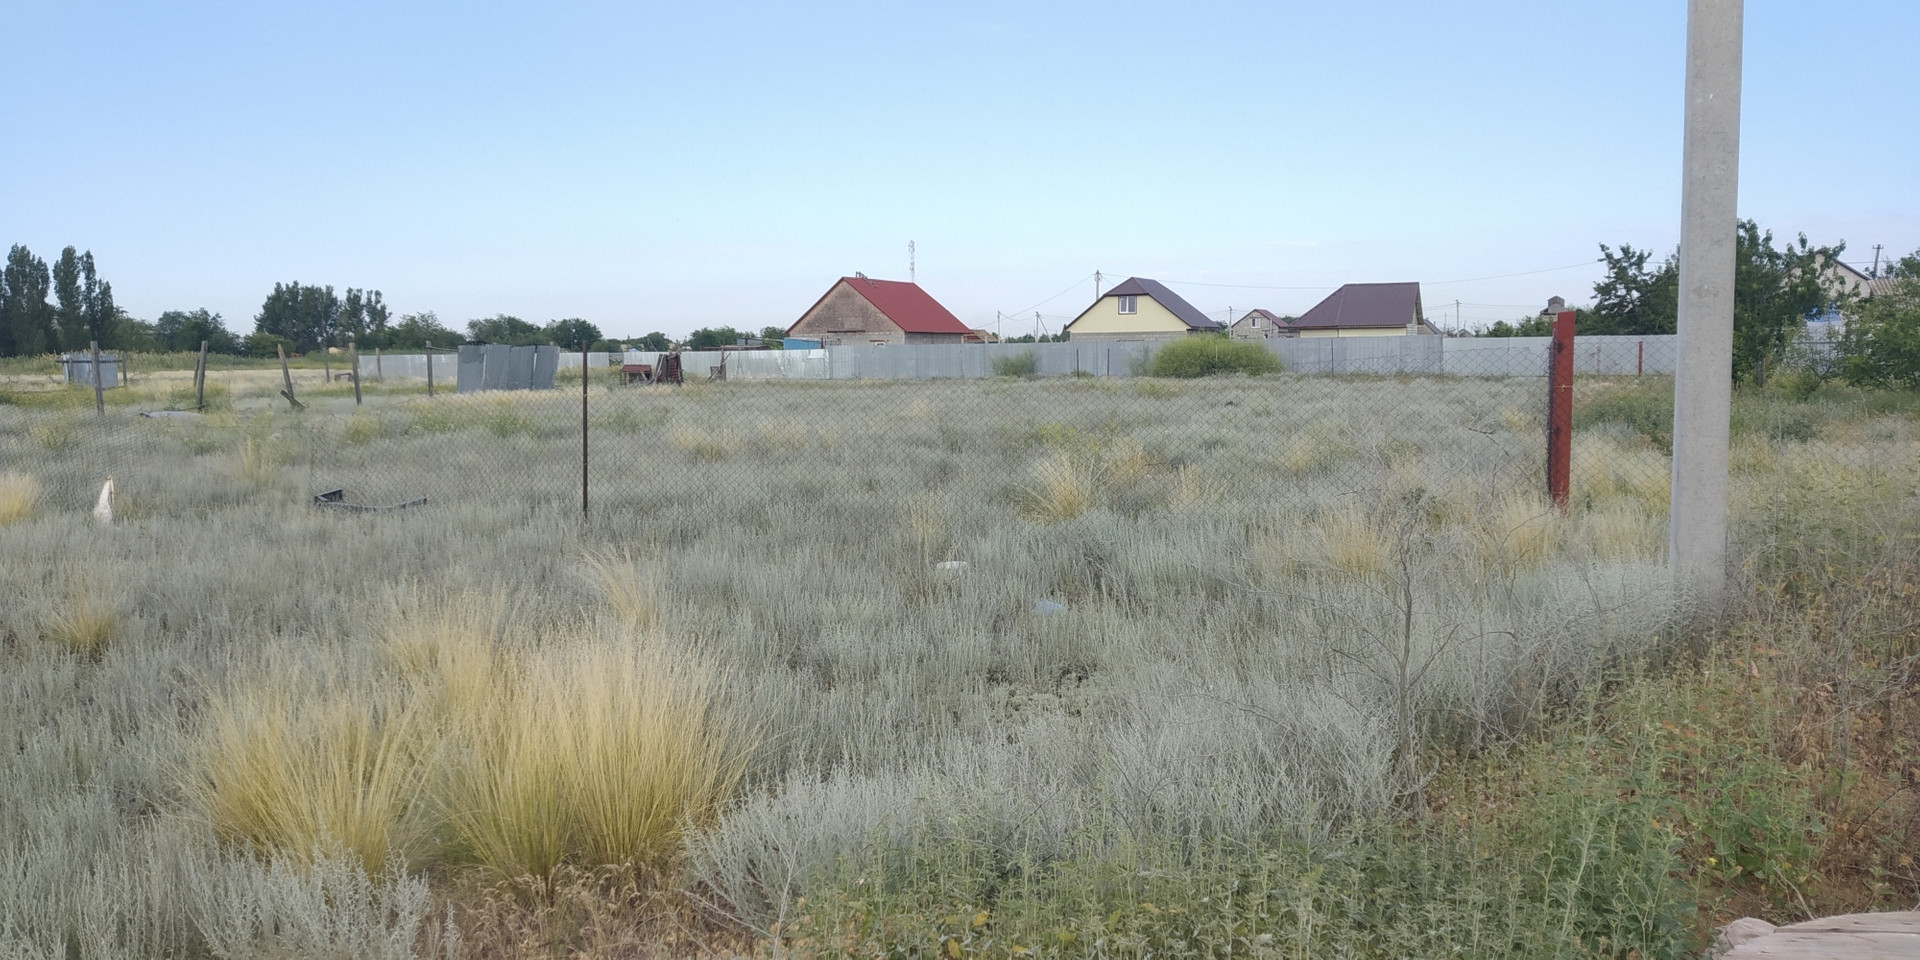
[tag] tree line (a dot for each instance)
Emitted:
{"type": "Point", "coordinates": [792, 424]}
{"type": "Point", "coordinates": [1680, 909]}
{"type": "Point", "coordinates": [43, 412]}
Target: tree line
{"type": "Point", "coordinates": [67, 306]}
{"type": "Point", "coordinates": [1777, 290]}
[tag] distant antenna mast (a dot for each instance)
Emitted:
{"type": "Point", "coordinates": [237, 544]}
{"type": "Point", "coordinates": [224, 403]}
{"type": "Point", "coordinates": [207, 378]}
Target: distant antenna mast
{"type": "Point", "coordinates": [910, 271]}
{"type": "Point", "coordinates": [1876, 261]}
{"type": "Point", "coordinates": [1096, 284]}
{"type": "Point", "coordinates": [1036, 326]}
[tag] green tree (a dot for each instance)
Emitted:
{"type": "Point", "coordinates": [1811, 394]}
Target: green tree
{"type": "Point", "coordinates": [655, 341]}
{"type": "Point", "coordinates": [263, 344]}
{"type": "Point", "coordinates": [86, 312]}
{"type": "Point", "coordinates": [775, 337]}
{"type": "Point", "coordinates": [69, 315]}
{"type": "Point", "coordinates": [306, 317]}
{"type": "Point", "coordinates": [26, 319]}
{"type": "Point", "coordinates": [1535, 326]}
{"type": "Point", "coordinates": [504, 329]}
{"type": "Point", "coordinates": [571, 333]}
{"type": "Point", "coordinates": [1881, 343]}
{"type": "Point", "coordinates": [1632, 299]}
{"type": "Point", "coordinates": [707, 338]}
{"type": "Point", "coordinates": [416, 330]}
{"type": "Point", "coordinates": [1774, 292]}
{"type": "Point", "coordinates": [183, 330]}
{"type": "Point", "coordinates": [131, 334]}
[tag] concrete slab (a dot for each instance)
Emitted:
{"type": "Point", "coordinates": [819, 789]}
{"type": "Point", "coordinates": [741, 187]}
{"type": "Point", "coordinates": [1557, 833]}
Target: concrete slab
{"type": "Point", "coordinates": [1855, 936]}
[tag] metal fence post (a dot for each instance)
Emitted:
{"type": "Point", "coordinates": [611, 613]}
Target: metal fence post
{"type": "Point", "coordinates": [353, 358]}
{"type": "Point", "coordinates": [99, 389]}
{"type": "Point", "coordinates": [1703, 381]}
{"type": "Point", "coordinates": [583, 430]}
{"type": "Point", "coordinates": [1560, 412]}
{"type": "Point", "coordinates": [429, 344]}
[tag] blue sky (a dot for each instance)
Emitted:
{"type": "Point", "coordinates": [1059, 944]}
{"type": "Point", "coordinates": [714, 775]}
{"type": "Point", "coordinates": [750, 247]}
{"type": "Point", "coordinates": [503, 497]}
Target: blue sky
{"type": "Point", "coordinates": [651, 166]}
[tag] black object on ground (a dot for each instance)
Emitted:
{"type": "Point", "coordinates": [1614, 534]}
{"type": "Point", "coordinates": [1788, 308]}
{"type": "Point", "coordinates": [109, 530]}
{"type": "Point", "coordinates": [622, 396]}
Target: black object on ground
{"type": "Point", "coordinates": [337, 500]}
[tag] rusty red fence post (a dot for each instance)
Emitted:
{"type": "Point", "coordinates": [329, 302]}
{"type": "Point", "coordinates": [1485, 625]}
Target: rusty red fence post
{"type": "Point", "coordinates": [1560, 412]}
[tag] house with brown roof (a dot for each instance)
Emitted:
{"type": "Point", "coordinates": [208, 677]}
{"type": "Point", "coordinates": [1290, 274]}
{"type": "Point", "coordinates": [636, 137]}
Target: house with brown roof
{"type": "Point", "coordinates": [857, 309]}
{"type": "Point", "coordinates": [1366, 310]}
{"type": "Point", "coordinates": [1261, 325]}
{"type": "Point", "coordinates": [1139, 309]}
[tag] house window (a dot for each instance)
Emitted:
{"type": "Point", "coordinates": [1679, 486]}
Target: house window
{"type": "Point", "coordinates": [1256, 321]}
{"type": "Point", "coordinates": [1128, 305]}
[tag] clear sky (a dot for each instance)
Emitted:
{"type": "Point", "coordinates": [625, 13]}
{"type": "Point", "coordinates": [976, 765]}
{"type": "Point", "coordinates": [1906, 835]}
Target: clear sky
{"type": "Point", "coordinates": [670, 166]}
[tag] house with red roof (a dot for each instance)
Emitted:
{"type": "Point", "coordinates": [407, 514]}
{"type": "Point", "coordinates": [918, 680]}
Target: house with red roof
{"type": "Point", "coordinates": [857, 309]}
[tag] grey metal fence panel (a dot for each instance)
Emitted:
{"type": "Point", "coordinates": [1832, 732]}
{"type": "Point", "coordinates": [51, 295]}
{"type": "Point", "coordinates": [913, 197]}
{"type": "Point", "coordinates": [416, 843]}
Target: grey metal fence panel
{"type": "Point", "coordinates": [1394, 355]}
{"type": "Point", "coordinates": [409, 366]}
{"type": "Point", "coordinates": [472, 369]}
{"type": "Point", "coordinates": [543, 364]}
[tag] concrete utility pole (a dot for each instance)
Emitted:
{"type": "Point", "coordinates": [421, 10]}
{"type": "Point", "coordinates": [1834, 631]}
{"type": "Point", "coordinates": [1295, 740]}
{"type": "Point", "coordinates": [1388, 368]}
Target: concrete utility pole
{"type": "Point", "coordinates": [1703, 385]}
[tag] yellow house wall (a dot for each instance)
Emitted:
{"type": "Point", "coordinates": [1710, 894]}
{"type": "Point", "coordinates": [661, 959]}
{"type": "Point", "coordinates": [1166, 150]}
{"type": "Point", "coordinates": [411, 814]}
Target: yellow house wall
{"type": "Point", "coordinates": [1104, 318]}
{"type": "Point", "coordinates": [1407, 330]}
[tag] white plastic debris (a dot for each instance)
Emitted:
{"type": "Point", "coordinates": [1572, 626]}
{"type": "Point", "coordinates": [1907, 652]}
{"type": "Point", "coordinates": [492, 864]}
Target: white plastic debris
{"type": "Point", "coordinates": [1048, 608]}
{"type": "Point", "coordinates": [951, 569]}
{"type": "Point", "coordinates": [103, 508]}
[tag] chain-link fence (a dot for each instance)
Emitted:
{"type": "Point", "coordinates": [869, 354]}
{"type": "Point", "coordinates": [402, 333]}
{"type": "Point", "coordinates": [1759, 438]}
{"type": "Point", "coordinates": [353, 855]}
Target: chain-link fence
{"type": "Point", "coordinates": [816, 435]}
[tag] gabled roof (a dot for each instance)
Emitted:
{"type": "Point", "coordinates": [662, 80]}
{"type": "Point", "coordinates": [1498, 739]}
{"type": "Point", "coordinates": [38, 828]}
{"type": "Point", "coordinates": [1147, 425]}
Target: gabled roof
{"type": "Point", "coordinates": [1268, 315]}
{"type": "Point", "coordinates": [1364, 305]}
{"type": "Point", "coordinates": [1156, 291]}
{"type": "Point", "coordinates": [909, 307]}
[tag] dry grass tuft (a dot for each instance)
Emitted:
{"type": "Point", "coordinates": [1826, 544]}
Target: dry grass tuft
{"type": "Point", "coordinates": [296, 770]}
{"type": "Point", "coordinates": [450, 651]}
{"type": "Point", "coordinates": [1061, 489]}
{"type": "Point", "coordinates": [1516, 531]}
{"type": "Point", "coordinates": [19, 492]}
{"type": "Point", "coordinates": [701, 444]}
{"type": "Point", "coordinates": [1605, 471]}
{"type": "Point", "coordinates": [1620, 532]}
{"type": "Point", "coordinates": [1355, 542]}
{"type": "Point", "coordinates": [596, 755]}
{"type": "Point", "coordinates": [629, 585]}
{"type": "Point", "coordinates": [86, 619]}
{"type": "Point", "coordinates": [1315, 450]}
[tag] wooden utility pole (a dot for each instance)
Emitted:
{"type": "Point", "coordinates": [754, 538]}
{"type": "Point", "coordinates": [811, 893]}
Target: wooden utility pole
{"type": "Point", "coordinates": [1703, 383]}
{"type": "Point", "coordinates": [286, 376]}
{"type": "Point", "coordinates": [353, 359]}
{"type": "Point", "coordinates": [429, 368]}
{"type": "Point", "coordinates": [200, 379]}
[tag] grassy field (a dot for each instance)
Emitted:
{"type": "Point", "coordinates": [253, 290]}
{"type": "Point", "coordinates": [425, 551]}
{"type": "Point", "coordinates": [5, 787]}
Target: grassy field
{"type": "Point", "coordinates": [1273, 666]}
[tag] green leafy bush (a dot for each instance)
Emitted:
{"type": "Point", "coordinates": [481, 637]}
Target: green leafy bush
{"type": "Point", "coordinates": [1881, 347]}
{"type": "Point", "coordinates": [1212, 356]}
{"type": "Point", "coordinates": [1022, 364]}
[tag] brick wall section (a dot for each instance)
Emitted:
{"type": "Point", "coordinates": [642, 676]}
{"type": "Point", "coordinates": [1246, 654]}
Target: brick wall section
{"type": "Point", "coordinates": [848, 317]}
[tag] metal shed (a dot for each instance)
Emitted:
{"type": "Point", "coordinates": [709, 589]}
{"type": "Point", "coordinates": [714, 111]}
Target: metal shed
{"type": "Point", "coordinates": [79, 369]}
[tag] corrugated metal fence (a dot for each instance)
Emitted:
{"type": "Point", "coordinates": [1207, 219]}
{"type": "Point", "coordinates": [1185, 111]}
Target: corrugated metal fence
{"type": "Point", "coordinates": [1462, 356]}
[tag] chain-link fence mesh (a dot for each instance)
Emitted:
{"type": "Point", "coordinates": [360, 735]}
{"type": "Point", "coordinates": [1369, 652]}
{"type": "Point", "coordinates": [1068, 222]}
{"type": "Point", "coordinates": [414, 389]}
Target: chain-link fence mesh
{"type": "Point", "coordinates": [802, 437]}
{"type": "Point", "coordinates": [1049, 428]}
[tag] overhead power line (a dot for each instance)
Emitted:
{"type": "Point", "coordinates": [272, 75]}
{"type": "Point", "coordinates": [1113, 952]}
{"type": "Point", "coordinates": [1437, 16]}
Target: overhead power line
{"type": "Point", "coordinates": [1424, 283]}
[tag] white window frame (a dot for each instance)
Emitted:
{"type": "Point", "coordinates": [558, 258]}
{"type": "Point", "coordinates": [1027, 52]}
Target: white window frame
{"type": "Point", "coordinates": [1129, 303]}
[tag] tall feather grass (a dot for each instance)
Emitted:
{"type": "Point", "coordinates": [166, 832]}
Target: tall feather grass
{"type": "Point", "coordinates": [19, 492]}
